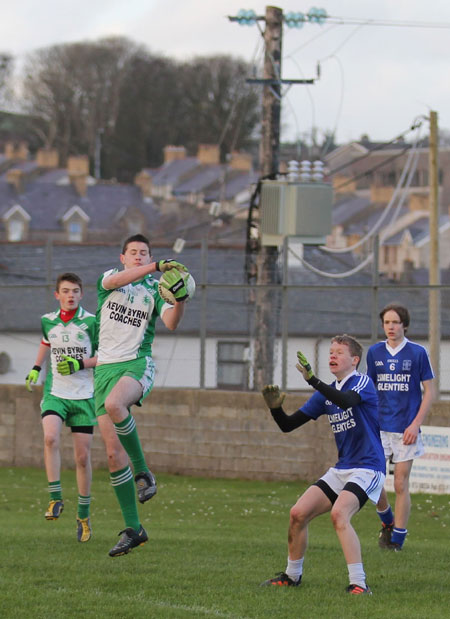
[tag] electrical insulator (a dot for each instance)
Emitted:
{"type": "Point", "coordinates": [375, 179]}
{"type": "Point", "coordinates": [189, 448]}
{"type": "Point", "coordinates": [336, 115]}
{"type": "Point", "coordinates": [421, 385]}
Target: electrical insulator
{"type": "Point", "coordinates": [293, 170]}
{"type": "Point", "coordinates": [294, 20]}
{"type": "Point", "coordinates": [318, 171]}
{"type": "Point", "coordinates": [246, 18]}
{"type": "Point", "coordinates": [305, 171]}
{"type": "Point", "coordinates": [317, 16]}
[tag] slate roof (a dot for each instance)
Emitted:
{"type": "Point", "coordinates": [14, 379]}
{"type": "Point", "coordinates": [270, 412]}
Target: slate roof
{"type": "Point", "coordinates": [48, 197]}
{"type": "Point", "coordinates": [419, 230]}
{"type": "Point", "coordinates": [199, 178]}
{"type": "Point", "coordinates": [23, 166]}
{"type": "Point", "coordinates": [236, 182]}
{"type": "Point", "coordinates": [170, 173]}
{"type": "Point", "coordinates": [346, 208]}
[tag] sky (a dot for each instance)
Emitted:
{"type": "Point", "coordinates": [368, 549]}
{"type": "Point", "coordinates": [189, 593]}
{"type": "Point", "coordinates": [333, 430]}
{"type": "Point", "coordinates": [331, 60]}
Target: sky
{"type": "Point", "coordinates": [375, 79]}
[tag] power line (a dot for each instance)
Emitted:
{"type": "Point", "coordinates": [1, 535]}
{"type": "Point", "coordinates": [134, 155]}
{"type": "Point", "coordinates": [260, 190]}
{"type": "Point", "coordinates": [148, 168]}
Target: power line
{"type": "Point", "coordinates": [416, 124]}
{"type": "Point", "coordinates": [349, 21]}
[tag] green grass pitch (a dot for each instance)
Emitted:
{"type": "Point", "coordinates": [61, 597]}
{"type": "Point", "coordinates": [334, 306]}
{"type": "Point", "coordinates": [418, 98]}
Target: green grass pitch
{"type": "Point", "coordinates": [211, 543]}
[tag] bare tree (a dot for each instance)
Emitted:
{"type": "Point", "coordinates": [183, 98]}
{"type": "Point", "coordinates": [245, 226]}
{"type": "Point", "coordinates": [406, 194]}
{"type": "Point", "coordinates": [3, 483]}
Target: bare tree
{"type": "Point", "coordinates": [6, 68]}
{"type": "Point", "coordinates": [136, 103]}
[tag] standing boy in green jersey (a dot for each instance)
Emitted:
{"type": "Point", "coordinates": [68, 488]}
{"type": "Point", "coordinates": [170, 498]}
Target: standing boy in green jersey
{"type": "Point", "coordinates": [128, 306]}
{"type": "Point", "coordinates": [69, 337]}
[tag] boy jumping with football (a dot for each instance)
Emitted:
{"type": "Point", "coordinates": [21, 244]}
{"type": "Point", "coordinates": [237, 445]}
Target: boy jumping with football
{"type": "Point", "coordinates": [128, 306]}
{"type": "Point", "coordinates": [350, 404]}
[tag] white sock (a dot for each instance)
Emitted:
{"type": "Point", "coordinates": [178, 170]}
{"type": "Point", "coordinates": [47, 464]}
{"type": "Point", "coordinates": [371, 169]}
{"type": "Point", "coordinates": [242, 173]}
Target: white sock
{"type": "Point", "coordinates": [356, 574]}
{"type": "Point", "coordinates": [294, 569]}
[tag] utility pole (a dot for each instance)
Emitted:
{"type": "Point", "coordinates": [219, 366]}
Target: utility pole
{"type": "Point", "coordinates": [266, 310]}
{"type": "Point", "coordinates": [434, 301]}
{"type": "Point", "coordinates": [261, 262]}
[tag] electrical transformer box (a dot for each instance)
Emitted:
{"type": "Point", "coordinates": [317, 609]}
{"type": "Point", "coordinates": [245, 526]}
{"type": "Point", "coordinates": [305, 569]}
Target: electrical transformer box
{"type": "Point", "coordinates": [295, 209]}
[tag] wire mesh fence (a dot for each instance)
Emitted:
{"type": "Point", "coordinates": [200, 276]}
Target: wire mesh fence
{"type": "Point", "coordinates": [217, 343]}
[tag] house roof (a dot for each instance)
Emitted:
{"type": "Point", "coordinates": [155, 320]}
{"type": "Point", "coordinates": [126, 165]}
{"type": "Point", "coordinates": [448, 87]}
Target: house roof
{"type": "Point", "coordinates": [419, 230]}
{"type": "Point", "coordinates": [47, 200]}
{"type": "Point", "coordinates": [170, 173]}
{"type": "Point", "coordinates": [199, 179]}
{"type": "Point", "coordinates": [236, 181]}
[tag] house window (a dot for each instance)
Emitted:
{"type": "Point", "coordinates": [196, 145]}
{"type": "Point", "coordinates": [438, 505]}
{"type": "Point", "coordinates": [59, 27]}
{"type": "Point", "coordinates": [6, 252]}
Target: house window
{"type": "Point", "coordinates": [16, 230]}
{"type": "Point", "coordinates": [232, 365]}
{"type": "Point", "coordinates": [134, 227]}
{"type": "Point", "coordinates": [75, 230]}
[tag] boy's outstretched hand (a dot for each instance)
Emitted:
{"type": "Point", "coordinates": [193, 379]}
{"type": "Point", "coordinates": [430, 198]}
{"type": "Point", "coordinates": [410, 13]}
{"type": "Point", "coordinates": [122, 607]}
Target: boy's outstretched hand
{"type": "Point", "coordinates": [273, 396]}
{"type": "Point", "coordinates": [303, 366]}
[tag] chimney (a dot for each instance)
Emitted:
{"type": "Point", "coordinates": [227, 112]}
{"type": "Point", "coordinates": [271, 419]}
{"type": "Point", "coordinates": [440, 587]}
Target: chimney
{"type": "Point", "coordinates": [143, 180]}
{"type": "Point", "coordinates": [419, 202]}
{"type": "Point", "coordinates": [15, 178]}
{"type": "Point", "coordinates": [17, 152]}
{"type": "Point", "coordinates": [78, 170]}
{"type": "Point", "coordinates": [174, 153]}
{"type": "Point", "coordinates": [47, 158]}
{"type": "Point", "coordinates": [381, 194]}
{"type": "Point", "coordinates": [208, 154]}
{"type": "Point", "coordinates": [342, 184]}
{"type": "Point", "coordinates": [241, 161]}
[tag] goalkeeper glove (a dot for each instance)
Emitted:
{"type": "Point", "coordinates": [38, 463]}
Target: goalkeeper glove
{"type": "Point", "coordinates": [32, 377]}
{"type": "Point", "coordinates": [273, 397]}
{"type": "Point", "coordinates": [303, 366]}
{"type": "Point", "coordinates": [69, 365]}
{"type": "Point", "coordinates": [167, 265]}
{"type": "Point", "coordinates": [173, 281]}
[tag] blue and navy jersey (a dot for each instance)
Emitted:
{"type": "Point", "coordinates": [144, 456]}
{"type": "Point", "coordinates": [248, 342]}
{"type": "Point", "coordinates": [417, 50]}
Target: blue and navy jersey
{"type": "Point", "coordinates": [398, 374]}
{"type": "Point", "coordinates": [356, 429]}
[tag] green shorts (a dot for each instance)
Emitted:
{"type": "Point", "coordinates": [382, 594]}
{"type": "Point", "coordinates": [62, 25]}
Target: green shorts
{"type": "Point", "coordinates": [73, 412]}
{"type": "Point", "coordinates": [107, 376]}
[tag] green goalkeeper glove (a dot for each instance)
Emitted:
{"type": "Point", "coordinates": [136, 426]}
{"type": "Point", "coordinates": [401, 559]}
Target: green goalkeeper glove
{"type": "Point", "coordinates": [32, 377]}
{"type": "Point", "coordinates": [167, 265]}
{"type": "Point", "coordinates": [303, 366]}
{"type": "Point", "coordinates": [69, 365]}
{"type": "Point", "coordinates": [273, 397]}
{"type": "Point", "coordinates": [173, 281]}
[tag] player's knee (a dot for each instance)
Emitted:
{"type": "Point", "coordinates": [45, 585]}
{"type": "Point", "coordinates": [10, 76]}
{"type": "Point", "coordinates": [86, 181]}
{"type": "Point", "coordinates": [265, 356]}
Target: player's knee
{"type": "Point", "coordinates": [110, 405]}
{"type": "Point", "coordinates": [83, 459]}
{"type": "Point", "coordinates": [298, 517]}
{"type": "Point", "coordinates": [51, 441]}
{"type": "Point", "coordinates": [339, 518]}
{"type": "Point", "coordinates": [401, 485]}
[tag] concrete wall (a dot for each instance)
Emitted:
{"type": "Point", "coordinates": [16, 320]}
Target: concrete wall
{"type": "Point", "coordinates": [192, 432]}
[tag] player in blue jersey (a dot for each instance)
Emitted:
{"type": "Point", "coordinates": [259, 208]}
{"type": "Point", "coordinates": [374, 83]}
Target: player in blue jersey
{"type": "Point", "coordinates": [350, 404]}
{"type": "Point", "coordinates": [399, 369]}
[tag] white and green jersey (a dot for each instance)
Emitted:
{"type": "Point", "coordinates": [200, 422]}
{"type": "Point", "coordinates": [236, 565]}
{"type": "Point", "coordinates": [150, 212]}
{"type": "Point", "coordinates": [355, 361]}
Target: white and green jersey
{"type": "Point", "coordinates": [77, 339]}
{"type": "Point", "coordinates": [126, 318]}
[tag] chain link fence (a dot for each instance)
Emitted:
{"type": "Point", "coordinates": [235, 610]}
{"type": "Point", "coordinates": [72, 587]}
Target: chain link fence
{"type": "Point", "coordinates": [216, 343]}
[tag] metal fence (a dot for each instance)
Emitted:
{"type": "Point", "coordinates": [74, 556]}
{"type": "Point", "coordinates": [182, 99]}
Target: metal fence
{"type": "Point", "coordinates": [214, 346]}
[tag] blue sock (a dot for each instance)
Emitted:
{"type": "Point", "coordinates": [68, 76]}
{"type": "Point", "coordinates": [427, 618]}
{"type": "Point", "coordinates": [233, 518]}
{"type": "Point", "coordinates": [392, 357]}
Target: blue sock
{"type": "Point", "coordinates": [398, 536]}
{"type": "Point", "coordinates": [386, 516]}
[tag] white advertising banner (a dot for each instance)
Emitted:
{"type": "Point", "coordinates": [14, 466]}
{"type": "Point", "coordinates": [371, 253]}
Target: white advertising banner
{"type": "Point", "coordinates": [430, 474]}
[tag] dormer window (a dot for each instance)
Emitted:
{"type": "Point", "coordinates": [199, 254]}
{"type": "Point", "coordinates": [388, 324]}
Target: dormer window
{"type": "Point", "coordinates": [75, 222]}
{"type": "Point", "coordinates": [75, 230]}
{"type": "Point", "coordinates": [16, 221]}
{"type": "Point", "coordinates": [16, 230]}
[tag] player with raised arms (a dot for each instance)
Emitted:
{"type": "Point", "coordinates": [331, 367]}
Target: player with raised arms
{"type": "Point", "coordinates": [128, 305]}
{"type": "Point", "coordinates": [350, 404]}
{"type": "Point", "coordinates": [399, 369]}
{"type": "Point", "coordinates": [69, 337]}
